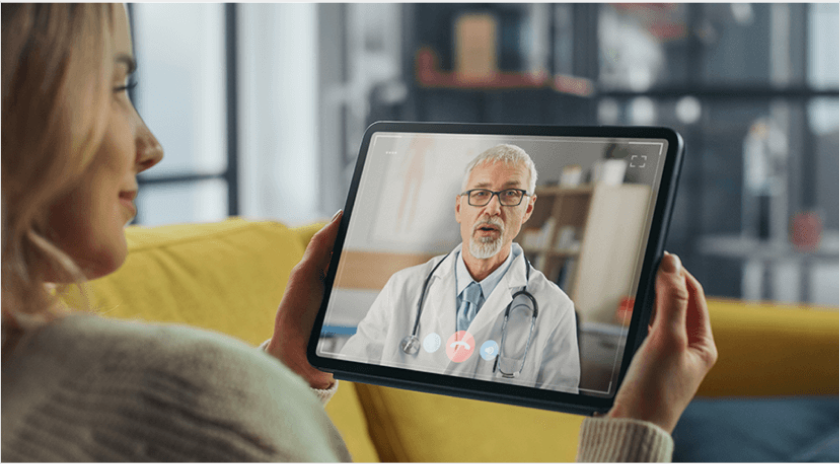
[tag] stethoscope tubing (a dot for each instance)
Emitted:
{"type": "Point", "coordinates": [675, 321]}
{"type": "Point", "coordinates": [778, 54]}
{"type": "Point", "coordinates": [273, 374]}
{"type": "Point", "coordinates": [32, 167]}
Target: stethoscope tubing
{"type": "Point", "coordinates": [423, 295]}
{"type": "Point", "coordinates": [410, 343]}
{"type": "Point", "coordinates": [535, 311]}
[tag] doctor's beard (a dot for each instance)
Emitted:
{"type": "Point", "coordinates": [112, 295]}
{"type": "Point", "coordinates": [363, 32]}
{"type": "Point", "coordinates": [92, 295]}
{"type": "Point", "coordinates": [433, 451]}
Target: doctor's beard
{"type": "Point", "coordinates": [487, 247]}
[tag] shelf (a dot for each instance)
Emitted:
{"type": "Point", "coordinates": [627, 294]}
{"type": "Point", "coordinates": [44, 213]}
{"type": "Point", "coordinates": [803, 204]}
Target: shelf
{"type": "Point", "coordinates": [735, 246]}
{"type": "Point", "coordinates": [552, 253]}
{"type": "Point", "coordinates": [430, 76]}
{"type": "Point", "coordinates": [562, 190]}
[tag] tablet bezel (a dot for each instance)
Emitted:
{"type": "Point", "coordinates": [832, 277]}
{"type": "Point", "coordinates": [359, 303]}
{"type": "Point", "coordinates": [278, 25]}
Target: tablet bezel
{"type": "Point", "coordinates": [501, 392]}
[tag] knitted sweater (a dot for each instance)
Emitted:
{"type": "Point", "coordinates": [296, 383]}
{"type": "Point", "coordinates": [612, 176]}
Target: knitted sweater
{"type": "Point", "coordinates": [87, 388]}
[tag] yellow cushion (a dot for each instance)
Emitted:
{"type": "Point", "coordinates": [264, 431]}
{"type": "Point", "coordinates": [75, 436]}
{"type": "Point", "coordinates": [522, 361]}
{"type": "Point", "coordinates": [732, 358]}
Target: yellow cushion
{"type": "Point", "coordinates": [771, 349]}
{"type": "Point", "coordinates": [227, 277]}
{"type": "Point", "coordinates": [347, 414]}
{"type": "Point", "coordinates": [306, 232]}
{"type": "Point", "coordinates": [412, 426]}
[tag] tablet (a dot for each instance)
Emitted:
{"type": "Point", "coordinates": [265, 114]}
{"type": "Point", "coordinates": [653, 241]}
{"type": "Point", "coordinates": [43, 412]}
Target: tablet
{"type": "Point", "coordinates": [505, 263]}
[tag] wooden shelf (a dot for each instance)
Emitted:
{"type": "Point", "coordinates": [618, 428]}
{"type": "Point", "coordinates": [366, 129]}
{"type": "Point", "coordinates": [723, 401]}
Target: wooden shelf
{"type": "Point", "coordinates": [552, 253]}
{"type": "Point", "coordinates": [429, 75]}
{"type": "Point", "coordinates": [561, 190]}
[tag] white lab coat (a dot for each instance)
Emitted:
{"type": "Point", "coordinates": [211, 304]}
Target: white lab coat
{"type": "Point", "coordinates": [552, 361]}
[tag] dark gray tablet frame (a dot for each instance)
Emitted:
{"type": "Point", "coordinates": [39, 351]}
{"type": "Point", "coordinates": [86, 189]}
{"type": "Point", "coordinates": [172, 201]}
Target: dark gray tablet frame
{"type": "Point", "coordinates": [497, 392]}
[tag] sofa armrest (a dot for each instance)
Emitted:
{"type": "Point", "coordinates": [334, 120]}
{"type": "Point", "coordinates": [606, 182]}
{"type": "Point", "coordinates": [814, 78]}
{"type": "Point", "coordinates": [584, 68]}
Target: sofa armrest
{"type": "Point", "coordinates": [771, 350]}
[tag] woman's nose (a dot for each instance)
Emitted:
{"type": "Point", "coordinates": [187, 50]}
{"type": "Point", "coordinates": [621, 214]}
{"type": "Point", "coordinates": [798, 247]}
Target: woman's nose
{"type": "Point", "coordinates": [149, 151]}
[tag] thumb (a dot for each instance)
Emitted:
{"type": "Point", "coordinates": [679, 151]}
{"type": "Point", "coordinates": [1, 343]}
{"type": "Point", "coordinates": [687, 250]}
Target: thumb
{"type": "Point", "coordinates": [671, 296]}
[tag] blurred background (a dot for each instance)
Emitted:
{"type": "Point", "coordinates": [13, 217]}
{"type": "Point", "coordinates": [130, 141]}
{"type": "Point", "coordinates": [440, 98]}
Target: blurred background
{"type": "Point", "coordinates": [261, 109]}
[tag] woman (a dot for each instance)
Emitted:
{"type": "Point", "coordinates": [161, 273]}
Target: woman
{"type": "Point", "coordinates": [79, 387]}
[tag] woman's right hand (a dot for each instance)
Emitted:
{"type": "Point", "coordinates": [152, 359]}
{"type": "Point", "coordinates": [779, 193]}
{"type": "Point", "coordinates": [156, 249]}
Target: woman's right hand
{"type": "Point", "coordinates": [678, 352]}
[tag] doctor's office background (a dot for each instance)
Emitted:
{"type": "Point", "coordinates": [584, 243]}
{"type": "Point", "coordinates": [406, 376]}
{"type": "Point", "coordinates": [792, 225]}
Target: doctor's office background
{"type": "Point", "coordinates": [261, 109]}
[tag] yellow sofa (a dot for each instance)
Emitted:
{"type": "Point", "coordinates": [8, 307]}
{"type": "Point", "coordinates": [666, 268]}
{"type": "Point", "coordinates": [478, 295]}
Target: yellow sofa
{"type": "Point", "coordinates": [230, 276]}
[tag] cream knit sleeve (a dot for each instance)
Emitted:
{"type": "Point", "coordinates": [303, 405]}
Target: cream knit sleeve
{"type": "Point", "coordinates": [325, 395]}
{"type": "Point", "coordinates": [623, 440]}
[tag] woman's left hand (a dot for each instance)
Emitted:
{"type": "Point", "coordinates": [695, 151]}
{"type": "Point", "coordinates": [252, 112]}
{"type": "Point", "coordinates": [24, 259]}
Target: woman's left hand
{"type": "Point", "coordinates": [297, 311]}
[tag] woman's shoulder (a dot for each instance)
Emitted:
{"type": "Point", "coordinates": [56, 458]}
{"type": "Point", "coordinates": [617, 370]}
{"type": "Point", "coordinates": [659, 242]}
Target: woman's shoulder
{"type": "Point", "coordinates": [91, 344]}
{"type": "Point", "coordinates": [121, 382]}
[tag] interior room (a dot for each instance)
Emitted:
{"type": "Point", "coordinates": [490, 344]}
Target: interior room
{"type": "Point", "coordinates": [752, 94]}
{"type": "Point", "coordinates": [261, 110]}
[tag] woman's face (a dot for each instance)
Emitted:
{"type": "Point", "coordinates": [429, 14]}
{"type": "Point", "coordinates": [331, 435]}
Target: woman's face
{"type": "Point", "coordinates": [88, 222]}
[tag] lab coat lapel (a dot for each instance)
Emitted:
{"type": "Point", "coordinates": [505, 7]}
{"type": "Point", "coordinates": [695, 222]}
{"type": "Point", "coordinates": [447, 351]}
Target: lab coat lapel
{"type": "Point", "coordinates": [493, 310]}
{"type": "Point", "coordinates": [489, 316]}
{"type": "Point", "coordinates": [517, 275]}
{"type": "Point", "coordinates": [442, 295]}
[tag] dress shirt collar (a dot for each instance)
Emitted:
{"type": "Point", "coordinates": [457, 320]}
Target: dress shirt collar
{"type": "Point", "coordinates": [463, 277]}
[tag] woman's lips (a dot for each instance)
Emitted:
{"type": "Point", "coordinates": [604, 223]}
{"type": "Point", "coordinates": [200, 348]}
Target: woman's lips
{"type": "Point", "coordinates": [127, 200]}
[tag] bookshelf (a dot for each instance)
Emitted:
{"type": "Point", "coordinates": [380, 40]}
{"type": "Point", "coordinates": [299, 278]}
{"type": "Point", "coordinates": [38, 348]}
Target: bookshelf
{"type": "Point", "coordinates": [587, 239]}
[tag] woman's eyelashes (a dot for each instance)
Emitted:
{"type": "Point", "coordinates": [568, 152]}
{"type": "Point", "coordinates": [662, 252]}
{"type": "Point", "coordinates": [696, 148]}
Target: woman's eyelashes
{"type": "Point", "coordinates": [128, 86]}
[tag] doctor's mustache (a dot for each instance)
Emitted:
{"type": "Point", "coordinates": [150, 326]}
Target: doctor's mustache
{"type": "Point", "coordinates": [492, 220]}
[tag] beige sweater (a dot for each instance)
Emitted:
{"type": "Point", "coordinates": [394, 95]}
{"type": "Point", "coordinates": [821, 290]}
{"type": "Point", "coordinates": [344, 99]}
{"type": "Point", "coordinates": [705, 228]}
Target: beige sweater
{"type": "Point", "coordinates": [93, 389]}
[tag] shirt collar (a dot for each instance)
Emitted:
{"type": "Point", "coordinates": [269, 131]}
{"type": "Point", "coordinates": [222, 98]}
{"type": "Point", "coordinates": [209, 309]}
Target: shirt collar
{"type": "Point", "coordinates": [463, 277]}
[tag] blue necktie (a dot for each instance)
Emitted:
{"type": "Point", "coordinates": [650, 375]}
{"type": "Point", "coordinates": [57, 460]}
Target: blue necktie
{"type": "Point", "coordinates": [469, 305]}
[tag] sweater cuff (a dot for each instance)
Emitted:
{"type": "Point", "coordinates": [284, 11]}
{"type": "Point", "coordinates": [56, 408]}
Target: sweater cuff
{"type": "Point", "coordinates": [326, 394]}
{"type": "Point", "coordinates": [623, 440]}
{"type": "Point", "coordinates": [323, 394]}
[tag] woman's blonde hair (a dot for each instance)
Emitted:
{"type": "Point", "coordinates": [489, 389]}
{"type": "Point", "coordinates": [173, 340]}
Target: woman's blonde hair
{"type": "Point", "coordinates": [56, 87]}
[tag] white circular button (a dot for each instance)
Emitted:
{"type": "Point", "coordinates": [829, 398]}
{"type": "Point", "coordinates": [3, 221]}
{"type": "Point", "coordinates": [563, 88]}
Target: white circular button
{"type": "Point", "coordinates": [431, 343]}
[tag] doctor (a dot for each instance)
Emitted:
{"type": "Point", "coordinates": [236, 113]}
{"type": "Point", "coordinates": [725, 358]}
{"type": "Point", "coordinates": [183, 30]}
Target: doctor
{"type": "Point", "coordinates": [481, 311]}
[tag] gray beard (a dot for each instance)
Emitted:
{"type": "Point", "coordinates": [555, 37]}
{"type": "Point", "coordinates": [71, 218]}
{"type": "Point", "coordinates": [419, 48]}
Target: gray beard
{"type": "Point", "coordinates": [485, 248]}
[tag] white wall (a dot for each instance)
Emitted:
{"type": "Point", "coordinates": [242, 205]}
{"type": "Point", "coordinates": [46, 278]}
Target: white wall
{"type": "Point", "coordinates": [181, 96]}
{"type": "Point", "coordinates": [278, 139]}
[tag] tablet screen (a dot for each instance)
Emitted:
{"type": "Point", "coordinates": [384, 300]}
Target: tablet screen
{"type": "Point", "coordinates": [504, 258]}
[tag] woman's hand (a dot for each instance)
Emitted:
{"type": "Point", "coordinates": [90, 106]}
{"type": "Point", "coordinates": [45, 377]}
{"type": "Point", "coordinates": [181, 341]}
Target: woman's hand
{"type": "Point", "coordinates": [678, 352]}
{"type": "Point", "coordinates": [296, 314]}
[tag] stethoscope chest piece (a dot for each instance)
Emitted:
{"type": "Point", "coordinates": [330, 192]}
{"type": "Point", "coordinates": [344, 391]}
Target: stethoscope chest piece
{"type": "Point", "coordinates": [410, 344]}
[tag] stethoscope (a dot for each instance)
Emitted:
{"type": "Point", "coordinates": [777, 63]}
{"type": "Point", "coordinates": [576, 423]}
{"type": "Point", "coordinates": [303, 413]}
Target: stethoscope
{"type": "Point", "coordinates": [411, 343]}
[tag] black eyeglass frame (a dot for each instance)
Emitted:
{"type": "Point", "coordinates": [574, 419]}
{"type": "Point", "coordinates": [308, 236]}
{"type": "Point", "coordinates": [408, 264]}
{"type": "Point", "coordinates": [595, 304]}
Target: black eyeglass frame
{"type": "Point", "coordinates": [468, 193]}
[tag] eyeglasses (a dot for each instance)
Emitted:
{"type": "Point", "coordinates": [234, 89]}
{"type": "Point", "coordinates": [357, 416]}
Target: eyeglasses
{"type": "Point", "coordinates": [507, 197]}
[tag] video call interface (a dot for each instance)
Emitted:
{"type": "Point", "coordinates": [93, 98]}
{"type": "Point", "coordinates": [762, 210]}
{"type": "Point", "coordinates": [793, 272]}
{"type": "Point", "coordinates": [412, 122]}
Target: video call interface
{"type": "Point", "coordinates": [456, 262]}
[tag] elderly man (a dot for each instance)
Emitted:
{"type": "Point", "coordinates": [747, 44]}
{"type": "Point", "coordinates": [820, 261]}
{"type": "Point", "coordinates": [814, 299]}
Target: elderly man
{"type": "Point", "coordinates": [481, 311]}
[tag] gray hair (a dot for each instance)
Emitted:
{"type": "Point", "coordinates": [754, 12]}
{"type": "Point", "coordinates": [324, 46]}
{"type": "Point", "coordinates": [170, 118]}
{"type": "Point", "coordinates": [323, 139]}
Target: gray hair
{"type": "Point", "coordinates": [509, 154]}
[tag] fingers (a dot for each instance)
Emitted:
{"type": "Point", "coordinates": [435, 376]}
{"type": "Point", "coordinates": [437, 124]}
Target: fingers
{"type": "Point", "coordinates": [319, 249]}
{"type": "Point", "coordinates": [671, 296]}
{"type": "Point", "coordinates": [698, 323]}
{"type": "Point", "coordinates": [698, 311]}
